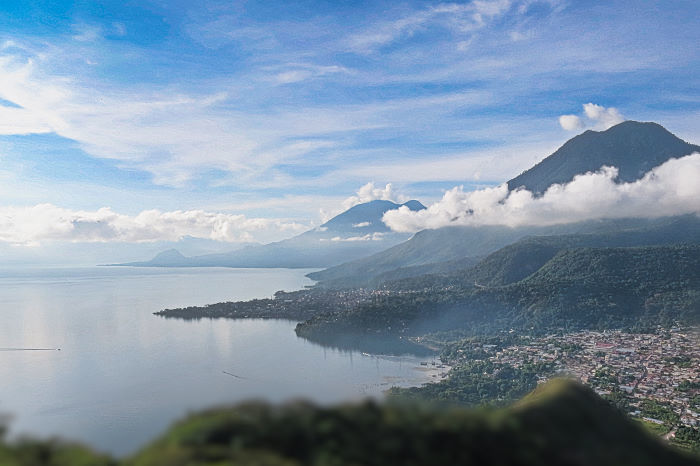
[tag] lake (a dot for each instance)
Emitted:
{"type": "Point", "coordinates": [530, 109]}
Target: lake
{"type": "Point", "coordinates": [122, 375]}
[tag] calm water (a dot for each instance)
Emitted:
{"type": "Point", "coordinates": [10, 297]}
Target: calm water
{"type": "Point", "coordinates": [123, 375]}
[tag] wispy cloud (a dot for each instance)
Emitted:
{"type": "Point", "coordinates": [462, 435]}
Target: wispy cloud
{"type": "Point", "coordinates": [297, 72]}
{"type": "Point", "coordinates": [219, 103]}
{"type": "Point", "coordinates": [173, 136]}
{"type": "Point", "coordinates": [20, 121]}
{"type": "Point", "coordinates": [178, 136]}
{"type": "Point", "coordinates": [460, 18]}
{"type": "Point", "coordinates": [353, 239]}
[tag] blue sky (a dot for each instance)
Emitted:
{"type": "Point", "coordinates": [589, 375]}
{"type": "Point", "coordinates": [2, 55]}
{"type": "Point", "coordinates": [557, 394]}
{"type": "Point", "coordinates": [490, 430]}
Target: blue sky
{"type": "Point", "coordinates": [275, 112]}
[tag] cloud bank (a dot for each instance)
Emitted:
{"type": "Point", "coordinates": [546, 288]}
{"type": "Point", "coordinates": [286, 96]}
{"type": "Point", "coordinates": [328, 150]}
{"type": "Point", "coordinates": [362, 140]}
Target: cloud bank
{"type": "Point", "coordinates": [594, 117]}
{"type": "Point", "coordinates": [669, 189]}
{"type": "Point", "coordinates": [33, 225]}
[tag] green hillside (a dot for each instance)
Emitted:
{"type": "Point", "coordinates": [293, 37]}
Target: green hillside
{"type": "Point", "coordinates": [425, 247]}
{"type": "Point", "coordinates": [577, 288]}
{"type": "Point", "coordinates": [560, 423]}
{"type": "Point", "coordinates": [32, 452]}
{"type": "Point", "coordinates": [452, 250]}
{"type": "Point", "coordinates": [514, 262]}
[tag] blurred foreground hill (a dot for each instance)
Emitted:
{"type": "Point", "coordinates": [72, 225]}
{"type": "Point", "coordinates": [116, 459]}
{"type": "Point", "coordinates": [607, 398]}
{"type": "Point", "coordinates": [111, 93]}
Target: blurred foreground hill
{"type": "Point", "coordinates": [560, 423]}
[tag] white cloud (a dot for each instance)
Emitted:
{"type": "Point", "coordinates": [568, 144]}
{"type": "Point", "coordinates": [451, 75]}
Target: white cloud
{"type": "Point", "coordinates": [361, 224]}
{"type": "Point", "coordinates": [604, 117]}
{"type": "Point", "coordinates": [296, 72]}
{"type": "Point", "coordinates": [456, 17]}
{"type": "Point", "coordinates": [20, 121]}
{"type": "Point", "coordinates": [369, 192]}
{"type": "Point", "coordinates": [168, 135]}
{"type": "Point", "coordinates": [46, 222]}
{"type": "Point", "coordinates": [293, 76]}
{"type": "Point", "coordinates": [178, 136]}
{"type": "Point", "coordinates": [596, 117]}
{"type": "Point", "coordinates": [327, 214]}
{"type": "Point", "coordinates": [570, 122]}
{"type": "Point", "coordinates": [174, 136]}
{"type": "Point", "coordinates": [669, 189]}
{"type": "Point", "coordinates": [377, 236]}
{"type": "Point", "coordinates": [366, 193]}
{"type": "Point", "coordinates": [86, 33]}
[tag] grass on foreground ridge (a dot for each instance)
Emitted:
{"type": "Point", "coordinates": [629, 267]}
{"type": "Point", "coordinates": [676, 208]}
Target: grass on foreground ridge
{"type": "Point", "coordinates": [559, 423]}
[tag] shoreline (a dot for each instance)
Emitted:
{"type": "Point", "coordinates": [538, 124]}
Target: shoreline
{"type": "Point", "coordinates": [423, 371]}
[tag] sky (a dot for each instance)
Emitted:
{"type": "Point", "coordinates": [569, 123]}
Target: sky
{"type": "Point", "coordinates": [140, 123]}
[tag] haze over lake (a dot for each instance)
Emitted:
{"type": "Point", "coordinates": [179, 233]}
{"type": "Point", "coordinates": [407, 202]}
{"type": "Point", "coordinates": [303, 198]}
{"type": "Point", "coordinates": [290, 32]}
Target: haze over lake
{"type": "Point", "coordinates": [122, 374]}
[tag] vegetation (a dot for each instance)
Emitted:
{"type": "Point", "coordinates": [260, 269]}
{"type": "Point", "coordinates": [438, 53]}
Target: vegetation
{"type": "Point", "coordinates": [425, 247]}
{"type": "Point", "coordinates": [660, 411]}
{"type": "Point", "coordinates": [687, 385]}
{"type": "Point", "coordinates": [653, 428]}
{"type": "Point", "coordinates": [559, 423]}
{"type": "Point", "coordinates": [572, 420]}
{"type": "Point", "coordinates": [687, 438]}
{"type": "Point", "coordinates": [477, 383]}
{"type": "Point", "coordinates": [517, 261]}
{"type": "Point", "coordinates": [296, 305]}
{"type": "Point", "coordinates": [30, 452]}
{"type": "Point", "coordinates": [513, 251]}
{"type": "Point", "coordinates": [596, 288]}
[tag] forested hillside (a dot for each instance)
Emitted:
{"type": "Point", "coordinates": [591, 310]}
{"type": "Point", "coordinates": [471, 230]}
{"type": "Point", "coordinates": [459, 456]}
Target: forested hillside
{"type": "Point", "coordinates": [520, 259]}
{"type": "Point", "coordinates": [576, 288]}
{"type": "Point", "coordinates": [454, 249]}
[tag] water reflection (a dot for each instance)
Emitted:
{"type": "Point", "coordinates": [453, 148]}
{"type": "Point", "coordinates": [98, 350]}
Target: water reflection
{"type": "Point", "coordinates": [123, 375]}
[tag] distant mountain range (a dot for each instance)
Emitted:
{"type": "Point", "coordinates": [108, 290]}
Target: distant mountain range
{"type": "Point", "coordinates": [633, 147]}
{"type": "Point", "coordinates": [357, 232]}
{"type": "Point", "coordinates": [358, 249]}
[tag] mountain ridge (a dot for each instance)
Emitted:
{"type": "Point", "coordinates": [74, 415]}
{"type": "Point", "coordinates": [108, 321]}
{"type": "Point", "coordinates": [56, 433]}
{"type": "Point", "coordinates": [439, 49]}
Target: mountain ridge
{"type": "Point", "coordinates": [632, 146]}
{"type": "Point", "coordinates": [520, 259]}
{"type": "Point", "coordinates": [358, 231]}
{"type": "Point", "coordinates": [559, 423]}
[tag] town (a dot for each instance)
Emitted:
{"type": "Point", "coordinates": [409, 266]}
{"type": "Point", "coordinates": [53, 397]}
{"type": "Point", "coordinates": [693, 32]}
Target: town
{"type": "Point", "coordinates": [653, 376]}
